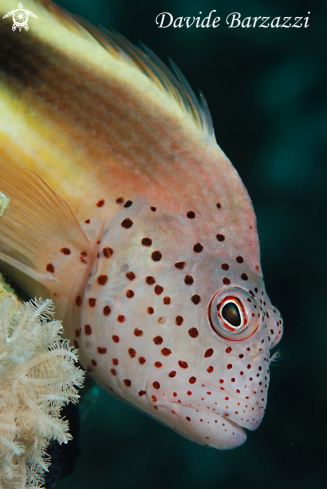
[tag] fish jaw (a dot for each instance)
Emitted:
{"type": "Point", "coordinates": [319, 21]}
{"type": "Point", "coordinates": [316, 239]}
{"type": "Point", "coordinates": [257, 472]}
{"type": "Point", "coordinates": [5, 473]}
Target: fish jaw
{"type": "Point", "coordinates": [197, 414]}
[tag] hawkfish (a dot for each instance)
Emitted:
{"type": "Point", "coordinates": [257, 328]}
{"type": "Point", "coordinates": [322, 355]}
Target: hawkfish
{"type": "Point", "coordinates": [122, 208]}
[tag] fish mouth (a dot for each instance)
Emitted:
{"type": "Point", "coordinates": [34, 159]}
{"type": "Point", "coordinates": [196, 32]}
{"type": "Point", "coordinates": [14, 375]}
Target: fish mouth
{"type": "Point", "coordinates": [205, 427]}
{"type": "Point", "coordinates": [197, 412]}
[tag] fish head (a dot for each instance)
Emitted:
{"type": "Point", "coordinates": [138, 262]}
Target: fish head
{"type": "Point", "coordinates": [178, 324]}
{"type": "Point", "coordinates": [219, 376]}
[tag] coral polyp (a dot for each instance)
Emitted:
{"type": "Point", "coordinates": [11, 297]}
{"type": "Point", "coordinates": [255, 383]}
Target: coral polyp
{"type": "Point", "coordinates": [38, 375]}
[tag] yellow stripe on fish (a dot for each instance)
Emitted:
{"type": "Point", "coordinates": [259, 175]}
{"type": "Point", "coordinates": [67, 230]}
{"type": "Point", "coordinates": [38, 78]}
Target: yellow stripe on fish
{"type": "Point", "coordinates": [136, 224]}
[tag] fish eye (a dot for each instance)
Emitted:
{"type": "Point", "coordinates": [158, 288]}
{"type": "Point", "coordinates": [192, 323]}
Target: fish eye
{"type": "Point", "coordinates": [231, 314]}
{"type": "Point", "coordinates": [234, 314]}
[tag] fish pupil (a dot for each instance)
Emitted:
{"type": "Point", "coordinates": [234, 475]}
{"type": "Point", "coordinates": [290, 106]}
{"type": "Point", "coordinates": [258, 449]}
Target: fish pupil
{"type": "Point", "coordinates": [231, 314]}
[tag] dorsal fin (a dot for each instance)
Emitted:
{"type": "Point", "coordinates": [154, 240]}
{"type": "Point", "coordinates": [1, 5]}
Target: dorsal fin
{"type": "Point", "coordinates": [173, 84]}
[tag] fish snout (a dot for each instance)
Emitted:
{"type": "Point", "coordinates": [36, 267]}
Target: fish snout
{"type": "Point", "coordinates": [275, 326]}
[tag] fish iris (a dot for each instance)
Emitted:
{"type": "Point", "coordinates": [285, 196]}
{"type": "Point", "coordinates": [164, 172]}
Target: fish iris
{"type": "Point", "coordinates": [231, 314]}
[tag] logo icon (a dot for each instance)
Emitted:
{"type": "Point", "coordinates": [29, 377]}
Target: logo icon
{"type": "Point", "coordinates": [20, 18]}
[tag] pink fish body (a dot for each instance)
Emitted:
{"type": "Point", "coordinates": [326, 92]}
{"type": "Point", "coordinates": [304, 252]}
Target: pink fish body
{"type": "Point", "coordinates": [160, 285]}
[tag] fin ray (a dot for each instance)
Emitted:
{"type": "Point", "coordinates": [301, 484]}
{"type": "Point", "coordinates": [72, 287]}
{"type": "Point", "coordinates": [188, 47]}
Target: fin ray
{"type": "Point", "coordinates": [36, 217]}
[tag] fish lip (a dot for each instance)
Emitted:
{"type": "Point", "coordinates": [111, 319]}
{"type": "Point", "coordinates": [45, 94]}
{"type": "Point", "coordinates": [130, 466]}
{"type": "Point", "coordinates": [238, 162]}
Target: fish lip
{"type": "Point", "coordinates": [214, 413]}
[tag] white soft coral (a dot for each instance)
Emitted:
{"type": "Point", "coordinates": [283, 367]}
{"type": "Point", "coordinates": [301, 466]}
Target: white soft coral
{"type": "Point", "coordinates": [38, 376]}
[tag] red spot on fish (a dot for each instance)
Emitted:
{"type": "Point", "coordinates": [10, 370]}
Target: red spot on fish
{"type": "Point", "coordinates": [128, 203]}
{"type": "Point", "coordinates": [129, 294]}
{"type": "Point", "coordinates": [131, 352]}
{"type": "Point", "coordinates": [153, 209]}
{"type": "Point", "coordinates": [166, 300]}
{"type": "Point", "coordinates": [87, 329]}
{"type": "Point", "coordinates": [218, 205]}
{"type": "Point", "coordinates": [239, 259]}
{"type": "Point", "coordinates": [146, 242]}
{"type": "Point", "coordinates": [220, 237]}
{"type": "Point", "coordinates": [156, 385]}
{"type": "Point", "coordinates": [142, 360]}
{"type": "Point", "coordinates": [188, 418]}
{"type": "Point", "coordinates": [208, 352]}
{"type": "Point", "coordinates": [50, 268]}
{"type": "Point", "coordinates": [115, 361]}
{"type": "Point", "coordinates": [115, 338]}
{"type": "Point", "coordinates": [210, 370]}
{"type": "Point", "coordinates": [179, 320]}
{"type": "Point", "coordinates": [182, 364]}
{"type": "Point", "coordinates": [78, 300]}
{"type": "Point", "coordinates": [158, 289]}
{"type": "Point", "coordinates": [120, 200]}
{"type": "Point", "coordinates": [127, 223]}
{"type": "Point", "coordinates": [192, 380]}
{"type": "Point", "coordinates": [226, 281]}
{"type": "Point", "coordinates": [78, 332]}
{"type": "Point", "coordinates": [94, 363]}
{"type": "Point", "coordinates": [229, 366]}
{"type": "Point", "coordinates": [180, 265]}
{"type": "Point", "coordinates": [121, 318]}
{"type": "Point", "coordinates": [100, 203]}
{"type": "Point", "coordinates": [156, 256]}
{"type": "Point", "coordinates": [138, 332]}
{"type": "Point", "coordinates": [107, 252]}
{"type": "Point", "coordinates": [106, 310]}
{"type": "Point", "coordinates": [189, 280]}
{"type": "Point", "coordinates": [150, 310]}
{"type": "Point", "coordinates": [130, 275]}
{"type": "Point", "coordinates": [198, 248]}
{"type": "Point", "coordinates": [127, 382]}
{"type": "Point", "coordinates": [225, 266]}
{"type": "Point", "coordinates": [244, 276]}
{"type": "Point", "coordinates": [92, 302]}
{"type": "Point", "coordinates": [193, 332]}
{"type": "Point", "coordinates": [142, 393]}
{"type": "Point", "coordinates": [166, 352]}
{"type": "Point", "coordinates": [196, 299]}
{"type": "Point", "coordinates": [102, 350]}
{"type": "Point", "coordinates": [158, 364]}
{"type": "Point", "coordinates": [172, 374]}
{"type": "Point", "coordinates": [158, 340]}
{"type": "Point", "coordinates": [228, 350]}
{"type": "Point", "coordinates": [113, 371]}
{"type": "Point", "coordinates": [87, 221]}
{"type": "Point", "coordinates": [191, 214]}
{"type": "Point", "coordinates": [150, 280]}
{"type": "Point", "coordinates": [102, 279]}
{"type": "Point", "coordinates": [65, 251]}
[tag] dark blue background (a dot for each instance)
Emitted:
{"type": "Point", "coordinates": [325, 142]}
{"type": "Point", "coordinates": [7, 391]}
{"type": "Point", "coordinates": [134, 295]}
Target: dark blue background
{"type": "Point", "coordinates": [266, 89]}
